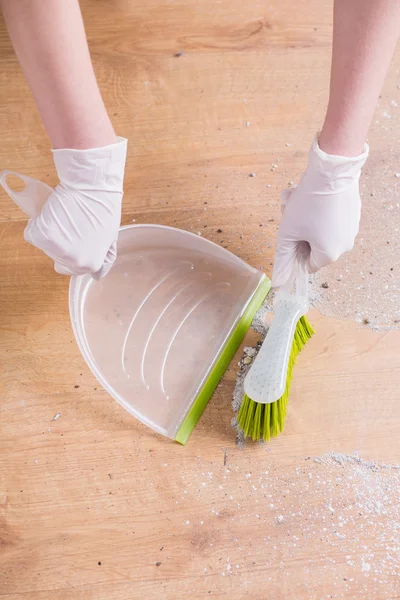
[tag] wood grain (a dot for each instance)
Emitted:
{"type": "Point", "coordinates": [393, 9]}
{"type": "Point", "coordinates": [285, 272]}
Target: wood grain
{"type": "Point", "coordinates": [95, 486]}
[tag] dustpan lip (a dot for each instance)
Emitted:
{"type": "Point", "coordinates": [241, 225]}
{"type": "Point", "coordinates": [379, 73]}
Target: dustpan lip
{"type": "Point", "coordinates": [186, 232]}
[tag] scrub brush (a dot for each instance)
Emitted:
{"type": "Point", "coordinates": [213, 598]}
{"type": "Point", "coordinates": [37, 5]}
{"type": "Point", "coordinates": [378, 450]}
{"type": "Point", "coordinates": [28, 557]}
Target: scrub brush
{"type": "Point", "coordinates": [267, 384]}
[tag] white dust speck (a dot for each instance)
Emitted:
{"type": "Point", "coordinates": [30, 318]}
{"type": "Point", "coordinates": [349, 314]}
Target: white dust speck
{"type": "Point", "coordinates": [365, 567]}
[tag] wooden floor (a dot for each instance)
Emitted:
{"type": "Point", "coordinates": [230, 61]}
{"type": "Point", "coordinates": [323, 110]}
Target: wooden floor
{"type": "Point", "coordinates": [95, 506]}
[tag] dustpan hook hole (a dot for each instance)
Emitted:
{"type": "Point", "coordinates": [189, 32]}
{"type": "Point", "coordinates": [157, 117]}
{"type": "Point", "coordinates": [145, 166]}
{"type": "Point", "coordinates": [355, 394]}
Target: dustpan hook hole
{"type": "Point", "coordinates": [14, 183]}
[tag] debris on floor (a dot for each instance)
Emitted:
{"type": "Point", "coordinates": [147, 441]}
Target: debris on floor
{"type": "Point", "coordinates": [274, 513]}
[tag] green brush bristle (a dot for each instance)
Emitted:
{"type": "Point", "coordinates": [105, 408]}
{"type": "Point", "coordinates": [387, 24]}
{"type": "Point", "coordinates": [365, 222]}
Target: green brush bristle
{"type": "Point", "coordinates": [263, 421]}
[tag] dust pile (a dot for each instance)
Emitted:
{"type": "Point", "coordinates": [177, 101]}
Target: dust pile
{"type": "Point", "coordinates": [350, 509]}
{"type": "Point", "coordinates": [330, 523]}
{"type": "Point", "coordinates": [348, 504]}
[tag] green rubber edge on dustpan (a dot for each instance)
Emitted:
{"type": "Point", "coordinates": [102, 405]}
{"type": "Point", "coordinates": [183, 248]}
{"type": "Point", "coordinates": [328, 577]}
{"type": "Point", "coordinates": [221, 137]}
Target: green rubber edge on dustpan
{"type": "Point", "coordinates": [223, 361]}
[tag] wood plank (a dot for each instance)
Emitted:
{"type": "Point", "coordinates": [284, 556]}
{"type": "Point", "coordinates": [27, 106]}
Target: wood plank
{"type": "Point", "coordinates": [95, 486]}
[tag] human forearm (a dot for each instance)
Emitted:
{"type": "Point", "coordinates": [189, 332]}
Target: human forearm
{"type": "Point", "coordinates": [364, 38]}
{"type": "Point", "coordinates": [49, 39]}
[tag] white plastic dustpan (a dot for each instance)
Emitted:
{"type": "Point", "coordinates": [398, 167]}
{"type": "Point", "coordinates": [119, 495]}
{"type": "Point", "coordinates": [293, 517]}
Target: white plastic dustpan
{"type": "Point", "coordinates": [160, 329]}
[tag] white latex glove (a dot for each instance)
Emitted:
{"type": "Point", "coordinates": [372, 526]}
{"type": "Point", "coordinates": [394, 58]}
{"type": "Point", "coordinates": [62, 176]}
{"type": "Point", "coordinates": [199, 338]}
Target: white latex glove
{"type": "Point", "coordinates": [321, 215]}
{"type": "Point", "coordinates": [77, 223]}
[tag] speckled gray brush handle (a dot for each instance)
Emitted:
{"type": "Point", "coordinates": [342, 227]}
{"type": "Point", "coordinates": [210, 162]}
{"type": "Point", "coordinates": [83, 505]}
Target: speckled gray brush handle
{"type": "Point", "coordinates": [266, 380]}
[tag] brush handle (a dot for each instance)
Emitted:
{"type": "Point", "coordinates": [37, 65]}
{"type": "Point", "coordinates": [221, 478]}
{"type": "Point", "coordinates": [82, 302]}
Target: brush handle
{"type": "Point", "coordinates": [266, 381]}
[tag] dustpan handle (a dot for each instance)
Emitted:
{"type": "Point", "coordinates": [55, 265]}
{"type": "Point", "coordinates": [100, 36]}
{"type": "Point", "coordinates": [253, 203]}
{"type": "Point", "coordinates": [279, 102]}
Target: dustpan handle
{"type": "Point", "coordinates": [32, 198]}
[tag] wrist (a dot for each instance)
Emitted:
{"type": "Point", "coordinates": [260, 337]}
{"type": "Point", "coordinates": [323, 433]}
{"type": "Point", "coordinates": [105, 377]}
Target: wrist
{"type": "Point", "coordinates": [93, 168]}
{"type": "Point", "coordinates": [334, 170]}
{"type": "Point", "coordinates": [338, 141]}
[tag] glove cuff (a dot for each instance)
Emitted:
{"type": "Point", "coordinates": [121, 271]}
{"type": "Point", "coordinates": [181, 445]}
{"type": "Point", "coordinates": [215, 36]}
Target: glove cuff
{"type": "Point", "coordinates": [334, 167]}
{"type": "Point", "coordinates": [94, 168]}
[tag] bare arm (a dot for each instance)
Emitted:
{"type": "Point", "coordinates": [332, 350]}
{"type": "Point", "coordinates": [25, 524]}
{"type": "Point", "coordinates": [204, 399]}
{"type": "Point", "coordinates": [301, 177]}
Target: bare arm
{"type": "Point", "coordinates": [365, 33]}
{"type": "Point", "coordinates": [49, 39]}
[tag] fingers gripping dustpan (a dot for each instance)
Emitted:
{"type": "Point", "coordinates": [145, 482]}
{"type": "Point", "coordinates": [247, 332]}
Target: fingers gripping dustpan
{"type": "Point", "coordinates": [160, 329]}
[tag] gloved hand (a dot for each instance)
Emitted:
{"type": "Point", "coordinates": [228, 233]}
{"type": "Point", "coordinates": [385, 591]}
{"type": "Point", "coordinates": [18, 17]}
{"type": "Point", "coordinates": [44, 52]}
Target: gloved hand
{"type": "Point", "coordinates": [77, 223]}
{"type": "Point", "coordinates": [322, 214]}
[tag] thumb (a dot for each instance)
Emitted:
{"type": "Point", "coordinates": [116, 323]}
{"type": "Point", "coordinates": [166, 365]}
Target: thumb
{"type": "Point", "coordinates": [285, 257]}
